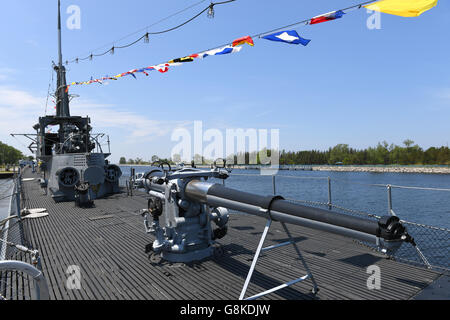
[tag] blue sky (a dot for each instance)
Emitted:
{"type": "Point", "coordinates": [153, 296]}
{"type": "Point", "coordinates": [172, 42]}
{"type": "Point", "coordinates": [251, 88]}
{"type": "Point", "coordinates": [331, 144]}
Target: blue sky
{"type": "Point", "coordinates": [350, 85]}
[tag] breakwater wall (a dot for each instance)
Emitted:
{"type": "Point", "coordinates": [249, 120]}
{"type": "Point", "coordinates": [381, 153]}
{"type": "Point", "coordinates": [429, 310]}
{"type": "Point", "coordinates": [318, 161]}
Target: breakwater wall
{"type": "Point", "coordinates": [375, 169]}
{"type": "Point", "coordinates": [430, 170]}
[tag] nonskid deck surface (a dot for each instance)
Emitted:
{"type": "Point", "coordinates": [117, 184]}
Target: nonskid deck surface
{"type": "Point", "coordinates": [107, 243]}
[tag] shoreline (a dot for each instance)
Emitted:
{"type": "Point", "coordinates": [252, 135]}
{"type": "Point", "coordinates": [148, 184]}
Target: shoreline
{"type": "Point", "coordinates": [372, 169]}
{"type": "Point", "coordinates": [375, 169]}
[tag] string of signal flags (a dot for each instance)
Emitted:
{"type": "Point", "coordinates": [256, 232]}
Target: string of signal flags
{"type": "Point", "coordinates": [403, 8]}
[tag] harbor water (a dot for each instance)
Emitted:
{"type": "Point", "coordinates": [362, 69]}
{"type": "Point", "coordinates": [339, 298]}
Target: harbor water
{"type": "Point", "coordinates": [362, 191]}
{"type": "Point", "coordinates": [6, 187]}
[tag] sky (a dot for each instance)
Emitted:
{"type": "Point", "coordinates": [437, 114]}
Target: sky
{"type": "Point", "coordinates": [350, 85]}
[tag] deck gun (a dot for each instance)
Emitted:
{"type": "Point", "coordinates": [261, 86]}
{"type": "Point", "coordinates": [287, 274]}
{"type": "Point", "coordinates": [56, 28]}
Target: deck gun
{"type": "Point", "coordinates": [189, 203]}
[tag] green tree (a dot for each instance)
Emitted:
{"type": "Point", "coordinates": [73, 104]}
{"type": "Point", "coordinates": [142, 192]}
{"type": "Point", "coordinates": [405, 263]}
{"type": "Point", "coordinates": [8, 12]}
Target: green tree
{"type": "Point", "coordinates": [155, 158]}
{"type": "Point", "coordinates": [383, 154]}
{"type": "Point", "coordinates": [339, 153]}
{"type": "Point", "coordinates": [9, 155]}
{"type": "Point", "coordinates": [408, 143]}
{"type": "Point", "coordinates": [123, 160]}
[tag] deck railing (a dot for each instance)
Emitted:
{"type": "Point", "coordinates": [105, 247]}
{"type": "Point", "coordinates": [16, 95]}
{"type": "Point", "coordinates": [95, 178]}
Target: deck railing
{"type": "Point", "coordinates": [20, 274]}
{"type": "Point", "coordinates": [433, 243]}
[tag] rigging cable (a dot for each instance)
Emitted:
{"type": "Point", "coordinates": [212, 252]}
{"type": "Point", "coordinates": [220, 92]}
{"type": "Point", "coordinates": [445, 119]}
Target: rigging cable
{"type": "Point", "coordinates": [305, 22]}
{"type": "Point", "coordinates": [48, 90]}
{"type": "Point", "coordinates": [145, 36]}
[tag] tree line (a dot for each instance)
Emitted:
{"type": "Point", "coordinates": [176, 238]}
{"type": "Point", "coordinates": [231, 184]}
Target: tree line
{"type": "Point", "coordinates": [140, 161]}
{"type": "Point", "coordinates": [9, 155]}
{"type": "Point", "coordinates": [383, 154]}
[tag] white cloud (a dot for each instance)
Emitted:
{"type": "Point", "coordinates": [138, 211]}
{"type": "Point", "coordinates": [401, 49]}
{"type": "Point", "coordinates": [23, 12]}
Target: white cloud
{"type": "Point", "coordinates": [18, 99]}
{"type": "Point", "coordinates": [20, 110]}
{"type": "Point", "coordinates": [138, 126]}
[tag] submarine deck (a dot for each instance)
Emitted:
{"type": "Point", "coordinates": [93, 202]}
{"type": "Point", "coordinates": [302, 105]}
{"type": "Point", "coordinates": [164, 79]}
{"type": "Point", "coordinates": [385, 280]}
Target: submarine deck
{"type": "Point", "coordinates": [107, 242]}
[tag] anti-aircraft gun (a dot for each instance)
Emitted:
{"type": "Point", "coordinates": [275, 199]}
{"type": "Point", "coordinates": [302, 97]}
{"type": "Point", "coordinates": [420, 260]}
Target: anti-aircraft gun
{"type": "Point", "coordinates": [183, 204]}
{"type": "Point", "coordinates": [72, 171]}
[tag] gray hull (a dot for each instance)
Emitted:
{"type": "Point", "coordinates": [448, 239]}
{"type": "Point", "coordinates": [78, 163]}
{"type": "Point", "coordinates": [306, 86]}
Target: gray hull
{"type": "Point", "coordinates": [65, 171]}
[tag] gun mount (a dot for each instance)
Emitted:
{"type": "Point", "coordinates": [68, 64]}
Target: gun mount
{"type": "Point", "coordinates": [188, 203]}
{"type": "Point", "coordinates": [186, 234]}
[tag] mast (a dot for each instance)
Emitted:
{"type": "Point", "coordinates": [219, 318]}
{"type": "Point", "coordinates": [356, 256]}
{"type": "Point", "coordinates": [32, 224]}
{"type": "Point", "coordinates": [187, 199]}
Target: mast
{"type": "Point", "coordinates": [59, 35]}
{"type": "Point", "coordinates": [62, 97]}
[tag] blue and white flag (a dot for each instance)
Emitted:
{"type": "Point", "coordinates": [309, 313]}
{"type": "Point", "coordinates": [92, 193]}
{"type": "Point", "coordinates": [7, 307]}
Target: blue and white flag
{"type": "Point", "coordinates": [220, 51]}
{"type": "Point", "coordinates": [288, 36]}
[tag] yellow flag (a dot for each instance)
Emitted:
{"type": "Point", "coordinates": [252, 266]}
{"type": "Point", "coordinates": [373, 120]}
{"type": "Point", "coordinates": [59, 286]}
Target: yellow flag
{"type": "Point", "coordinates": [404, 8]}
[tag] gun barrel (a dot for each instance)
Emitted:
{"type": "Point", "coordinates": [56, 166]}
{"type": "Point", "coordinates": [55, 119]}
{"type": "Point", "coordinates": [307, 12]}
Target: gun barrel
{"type": "Point", "coordinates": [386, 228]}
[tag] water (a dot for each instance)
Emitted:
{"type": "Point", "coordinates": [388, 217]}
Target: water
{"type": "Point", "coordinates": [351, 190]}
{"type": "Point", "coordinates": [5, 190]}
